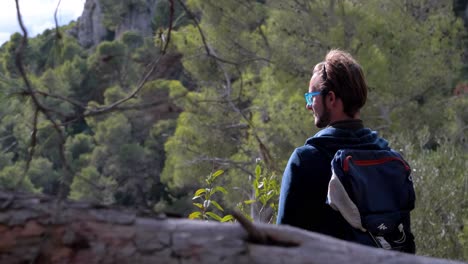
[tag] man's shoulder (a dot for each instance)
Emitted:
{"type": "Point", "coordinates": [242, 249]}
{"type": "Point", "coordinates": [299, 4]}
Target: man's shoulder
{"type": "Point", "coordinates": [308, 151]}
{"type": "Point", "coordinates": [332, 139]}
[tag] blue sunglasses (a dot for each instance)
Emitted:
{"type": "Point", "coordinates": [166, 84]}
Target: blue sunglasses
{"type": "Point", "coordinates": [309, 97]}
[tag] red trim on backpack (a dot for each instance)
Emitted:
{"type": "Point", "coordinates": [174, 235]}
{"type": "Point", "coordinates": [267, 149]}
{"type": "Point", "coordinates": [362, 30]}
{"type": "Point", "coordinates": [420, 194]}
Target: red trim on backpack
{"type": "Point", "coordinates": [371, 162]}
{"type": "Point", "coordinates": [346, 163]}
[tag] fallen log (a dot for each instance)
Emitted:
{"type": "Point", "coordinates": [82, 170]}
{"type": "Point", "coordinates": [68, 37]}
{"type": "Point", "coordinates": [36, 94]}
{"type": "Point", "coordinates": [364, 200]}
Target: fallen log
{"type": "Point", "coordinates": [41, 229]}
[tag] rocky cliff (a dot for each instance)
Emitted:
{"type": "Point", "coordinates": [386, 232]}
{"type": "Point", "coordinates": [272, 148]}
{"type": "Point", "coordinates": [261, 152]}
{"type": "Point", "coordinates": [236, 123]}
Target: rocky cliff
{"type": "Point", "coordinates": [91, 29]}
{"type": "Point", "coordinates": [138, 18]}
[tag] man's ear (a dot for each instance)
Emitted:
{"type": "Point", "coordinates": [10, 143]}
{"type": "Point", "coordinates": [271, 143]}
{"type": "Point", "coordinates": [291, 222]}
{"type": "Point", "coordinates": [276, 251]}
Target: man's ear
{"type": "Point", "coordinates": [331, 98]}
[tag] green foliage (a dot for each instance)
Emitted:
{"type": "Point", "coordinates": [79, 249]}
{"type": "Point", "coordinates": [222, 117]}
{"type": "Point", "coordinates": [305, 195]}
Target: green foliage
{"type": "Point", "coordinates": [78, 146]}
{"type": "Point", "coordinates": [90, 185]}
{"type": "Point", "coordinates": [114, 12]}
{"type": "Point", "coordinates": [75, 73]}
{"type": "Point", "coordinates": [45, 51]}
{"type": "Point", "coordinates": [8, 56]}
{"type": "Point", "coordinates": [11, 175]}
{"type": "Point", "coordinates": [71, 49]}
{"type": "Point", "coordinates": [110, 58]}
{"type": "Point", "coordinates": [156, 139]}
{"type": "Point", "coordinates": [266, 190]}
{"type": "Point", "coordinates": [42, 175]}
{"type": "Point", "coordinates": [439, 220]}
{"type": "Point", "coordinates": [263, 203]}
{"type": "Point", "coordinates": [54, 81]}
{"type": "Point", "coordinates": [114, 158]}
{"type": "Point", "coordinates": [49, 143]}
{"type": "Point", "coordinates": [132, 39]}
{"type": "Point", "coordinates": [161, 15]}
{"type": "Point", "coordinates": [208, 202]}
{"type": "Point", "coordinates": [245, 70]}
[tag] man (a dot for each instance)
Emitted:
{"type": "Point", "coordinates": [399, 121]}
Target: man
{"type": "Point", "coordinates": [337, 92]}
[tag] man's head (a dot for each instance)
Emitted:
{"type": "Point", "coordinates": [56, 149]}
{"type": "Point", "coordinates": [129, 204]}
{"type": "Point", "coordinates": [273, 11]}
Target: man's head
{"type": "Point", "coordinates": [342, 87]}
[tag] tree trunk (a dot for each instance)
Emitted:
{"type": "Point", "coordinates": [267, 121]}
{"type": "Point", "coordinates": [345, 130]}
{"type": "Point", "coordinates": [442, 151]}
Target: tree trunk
{"type": "Point", "coordinates": [39, 229]}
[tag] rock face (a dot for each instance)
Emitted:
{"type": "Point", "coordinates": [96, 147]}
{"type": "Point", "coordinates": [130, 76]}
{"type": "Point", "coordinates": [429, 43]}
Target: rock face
{"type": "Point", "coordinates": [90, 29]}
{"type": "Point", "coordinates": [137, 19]}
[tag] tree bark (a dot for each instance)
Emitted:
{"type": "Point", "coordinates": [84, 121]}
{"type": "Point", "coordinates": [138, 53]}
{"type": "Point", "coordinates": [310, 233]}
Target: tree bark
{"type": "Point", "coordinates": [40, 229]}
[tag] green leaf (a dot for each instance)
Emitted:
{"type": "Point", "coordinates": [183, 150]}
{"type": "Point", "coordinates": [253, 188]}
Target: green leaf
{"type": "Point", "coordinates": [216, 204]}
{"type": "Point", "coordinates": [217, 173]}
{"type": "Point", "coordinates": [214, 216]}
{"type": "Point", "coordinates": [249, 201]}
{"type": "Point", "coordinates": [258, 171]}
{"type": "Point", "coordinates": [195, 215]}
{"type": "Point", "coordinates": [200, 192]}
{"type": "Point", "coordinates": [255, 184]}
{"type": "Point", "coordinates": [219, 189]}
{"type": "Point", "coordinates": [199, 205]}
{"type": "Point", "coordinates": [227, 218]}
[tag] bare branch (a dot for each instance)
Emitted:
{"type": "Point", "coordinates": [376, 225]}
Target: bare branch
{"type": "Point", "coordinates": [255, 235]}
{"type": "Point", "coordinates": [63, 98]}
{"type": "Point", "coordinates": [100, 110]}
{"type": "Point", "coordinates": [39, 106]}
{"type": "Point", "coordinates": [145, 106]}
{"type": "Point", "coordinates": [10, 147]}
{"type": "Point", "coordinates": [144, 80]}
{"type": "Point", "coordinates": [57, 31]}
{"type": "Point", "coordinates": [171, 21]}
{"type": "Point", "coordinates": [264, 151]}
{"type": "Point", "coordinates": [43, 108]}
{"type": "Point", "coordinates": [108, 108]}
{"type": "Point", "coordinates": [208, 49]}
{"type": "Point", "coordinates": [118, 107]}
{"type": "Point", "coordinates": [259, 236]}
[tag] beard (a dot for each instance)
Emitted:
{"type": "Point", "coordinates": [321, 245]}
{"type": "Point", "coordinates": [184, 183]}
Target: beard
{"type": "Point", "coordinates": [323, 120]}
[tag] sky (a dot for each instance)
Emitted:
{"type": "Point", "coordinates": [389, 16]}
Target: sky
{"type": "Point", "coordinates": [38, 15]}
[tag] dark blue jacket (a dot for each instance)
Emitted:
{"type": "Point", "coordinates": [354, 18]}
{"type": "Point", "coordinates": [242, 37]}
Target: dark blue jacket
{"type": "Point", "coordinates": [305, 180]}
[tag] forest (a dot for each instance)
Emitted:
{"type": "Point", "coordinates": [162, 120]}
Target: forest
{"type": "Point", "coordinates": [199, 110]}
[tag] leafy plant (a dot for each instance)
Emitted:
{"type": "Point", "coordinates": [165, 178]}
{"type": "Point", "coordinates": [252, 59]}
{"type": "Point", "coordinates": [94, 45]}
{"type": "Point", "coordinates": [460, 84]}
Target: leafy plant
{"type": "Point", "coordinates": [206, 196]}
{"type": "Point", "coordinates": [264, 203]}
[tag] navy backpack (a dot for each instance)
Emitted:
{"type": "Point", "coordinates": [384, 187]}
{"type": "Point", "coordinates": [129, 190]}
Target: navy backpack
{"type": "Point", "coordinates": [373, 190]}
